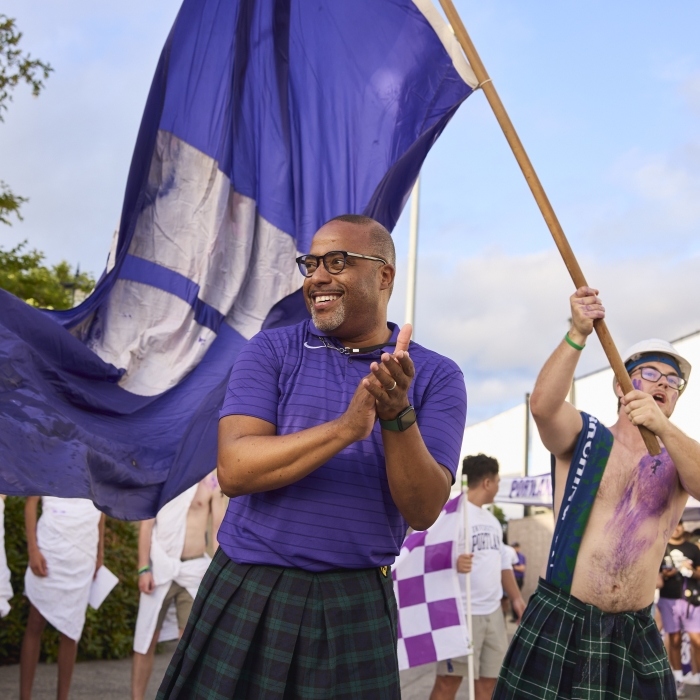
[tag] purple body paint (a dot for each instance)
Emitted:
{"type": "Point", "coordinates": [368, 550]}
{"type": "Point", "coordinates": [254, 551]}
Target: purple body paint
{"type": "Point", "coordinates": [646, 498]}
{"type": "Point", "coordinates": [637, 384]}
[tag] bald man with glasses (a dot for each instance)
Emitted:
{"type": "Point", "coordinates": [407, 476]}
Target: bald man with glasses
{"type": "Point", "coordinates": [335, 435]}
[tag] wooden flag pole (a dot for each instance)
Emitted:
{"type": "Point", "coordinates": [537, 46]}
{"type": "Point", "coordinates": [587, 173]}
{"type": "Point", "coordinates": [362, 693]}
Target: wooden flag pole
{"type": "Point", "coordinates": [467, 550]}
{"type": "Point", "coordinates": [543, 203]}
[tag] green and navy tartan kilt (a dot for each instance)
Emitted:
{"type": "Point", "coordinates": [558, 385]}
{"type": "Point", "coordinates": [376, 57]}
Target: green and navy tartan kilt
{"type": "Point", "coordinates": [267, 632]}
{"type": "Point", "coordinates": [565, 648]}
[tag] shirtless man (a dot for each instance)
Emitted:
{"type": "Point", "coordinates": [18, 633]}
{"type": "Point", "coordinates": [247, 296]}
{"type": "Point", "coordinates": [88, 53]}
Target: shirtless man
{"type": "Point", "coordinates": [5, 583]}
{"type": "Point", "coordinates": [587, 631]}
{"type": "Point", "coordinates": [172, 563]}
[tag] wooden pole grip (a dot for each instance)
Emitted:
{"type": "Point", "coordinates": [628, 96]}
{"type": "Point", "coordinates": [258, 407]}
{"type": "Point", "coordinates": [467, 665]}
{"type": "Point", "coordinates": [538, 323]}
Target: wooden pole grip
{"type": "Point", "coordinates": [542, 200]}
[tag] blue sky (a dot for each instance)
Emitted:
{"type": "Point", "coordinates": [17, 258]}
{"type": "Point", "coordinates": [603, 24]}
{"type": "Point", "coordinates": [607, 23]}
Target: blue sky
{"type": "Point", "coordinates": [605, 96]}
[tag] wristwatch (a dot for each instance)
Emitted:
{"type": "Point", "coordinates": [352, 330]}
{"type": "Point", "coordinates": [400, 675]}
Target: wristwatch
{"type": "Point", "coordinates": [402, 422]}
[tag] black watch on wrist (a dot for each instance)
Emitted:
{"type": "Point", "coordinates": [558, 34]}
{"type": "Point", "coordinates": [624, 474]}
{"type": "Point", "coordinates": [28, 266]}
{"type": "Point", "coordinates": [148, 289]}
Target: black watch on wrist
{"type": "Point", "coordinates": [402, 422]}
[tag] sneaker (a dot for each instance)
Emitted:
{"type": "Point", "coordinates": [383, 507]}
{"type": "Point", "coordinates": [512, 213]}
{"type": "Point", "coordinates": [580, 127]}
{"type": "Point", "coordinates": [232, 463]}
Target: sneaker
{"type": "Point", "coordinates": [680, 685]}
{"type": "Point", "coordinates": [691, 679]}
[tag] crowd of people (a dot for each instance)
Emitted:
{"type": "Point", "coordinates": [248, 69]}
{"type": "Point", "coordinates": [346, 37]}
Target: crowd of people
{"type": "Point", "coordinates": [66, 550]}
{"type": "Point", "coordinates": [173, 545]}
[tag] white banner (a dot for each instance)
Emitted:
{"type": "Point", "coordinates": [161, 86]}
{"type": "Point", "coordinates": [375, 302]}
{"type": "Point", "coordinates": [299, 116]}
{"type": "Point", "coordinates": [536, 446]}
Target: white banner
{"type": "Point", "coordinates": [537, 491]}
{"type": "Point", "coordinates": [526, 491]}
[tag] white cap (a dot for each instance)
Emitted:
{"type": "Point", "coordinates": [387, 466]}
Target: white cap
{"type": "Point", "coordinates": [653, 346]}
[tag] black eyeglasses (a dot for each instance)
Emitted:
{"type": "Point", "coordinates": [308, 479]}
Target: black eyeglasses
{"type": "Point", "coordinates": [334, 261]}
{"type": "Point", "coordinates": [651, 374]}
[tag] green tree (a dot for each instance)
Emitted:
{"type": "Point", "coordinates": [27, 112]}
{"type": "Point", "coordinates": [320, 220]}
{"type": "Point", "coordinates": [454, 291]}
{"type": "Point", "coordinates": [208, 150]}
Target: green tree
{"type": "Point", "coordinates": [15, 67]}
{"type": "Point", "coordinates": [499, 514]}
{"type": "Point", "coordinates": [24, 275]}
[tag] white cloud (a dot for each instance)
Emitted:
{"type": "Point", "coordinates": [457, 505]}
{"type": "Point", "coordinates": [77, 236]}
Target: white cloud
{"type": "Point", "coordinates": [500, 316]}
{"type": "Point", "coordinates": [667, 187]}
{"type": "Point", "coordinates": [69, 149]}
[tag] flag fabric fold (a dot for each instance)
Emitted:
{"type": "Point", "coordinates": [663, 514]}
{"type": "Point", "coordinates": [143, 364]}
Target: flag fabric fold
{"type": "Point", "coordinates": [432, 620]}
{"type": "Point", "coordinates": [265, 119]}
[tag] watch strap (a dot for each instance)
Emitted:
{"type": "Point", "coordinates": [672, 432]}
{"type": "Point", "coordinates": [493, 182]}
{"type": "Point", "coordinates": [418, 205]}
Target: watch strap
{"type": "Point", "coordinates": [397, 424]}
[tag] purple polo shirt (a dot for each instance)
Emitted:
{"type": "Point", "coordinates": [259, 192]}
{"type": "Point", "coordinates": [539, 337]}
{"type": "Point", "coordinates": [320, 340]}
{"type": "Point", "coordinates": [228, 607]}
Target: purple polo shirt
{"type": "Point", "coordinates": [342, 515]}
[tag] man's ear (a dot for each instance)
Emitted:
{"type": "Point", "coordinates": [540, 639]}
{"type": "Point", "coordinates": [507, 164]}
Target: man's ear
{"type": "Point", "coordinates": [388, 273]}
{"type": "Point", "coordinates": [618, 390]}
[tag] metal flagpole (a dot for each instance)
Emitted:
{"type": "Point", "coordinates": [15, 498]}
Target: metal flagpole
{"type": "Point", "coordinates": [467, 550]}
{"type": "Point", "coordinates": [413, 257]}
{"type": "Point", "coordinates": [485, 83]}
{"type": "Point", "coordinates": [527, 434]}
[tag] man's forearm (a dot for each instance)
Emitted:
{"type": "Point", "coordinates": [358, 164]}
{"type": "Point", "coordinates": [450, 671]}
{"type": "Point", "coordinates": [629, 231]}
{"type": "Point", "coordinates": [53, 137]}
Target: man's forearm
{"type": "Point", "coordinates": [145, 530]}
{"type": "Point", "coordinates": [255, 463]}
{"type": "Point", "coordinates": [510, 585]}
{"type": "Point", "coordinates": [418, 484]}
{"type": "Point", "coordinates": [30, 519]}
{"type": "Point", "coordinates": [101, 540]}
{"type": "Point", "coordinates": [554, 380]}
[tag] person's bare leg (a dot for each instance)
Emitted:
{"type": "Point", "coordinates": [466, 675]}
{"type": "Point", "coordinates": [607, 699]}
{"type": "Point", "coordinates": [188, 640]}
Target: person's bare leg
{"type": "Point", "coordinates": [445, 687]}
{"type": "Point", "coordinates": [657, 618]}
{"type": "Point", "coordinates": [484, 687]}
{"type": "Point", "coordinates": [141, 669]}
{"type": "Point", "coordinates": [695, 651]}
{"type": "Point", "coordinates": [29, 655]}
{"type": "Point", "coordinates": [67, 651]}
{"type": "Point", "coordinates": [674, 649]}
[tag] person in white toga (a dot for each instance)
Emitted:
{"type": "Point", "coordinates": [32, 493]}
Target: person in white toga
{"type": "Point", "coordinates": [172, 563]}
{"type": "Point", "coordinates": [66, 548]}
{"type": "Point", "coordinates": [491, 570]}
{"type": "Point", "coordinates": [5, 584]}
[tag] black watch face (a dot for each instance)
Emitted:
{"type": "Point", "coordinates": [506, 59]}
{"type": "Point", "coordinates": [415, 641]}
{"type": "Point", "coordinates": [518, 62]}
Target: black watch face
{"type": "Point", "coordinates": [407, 418]}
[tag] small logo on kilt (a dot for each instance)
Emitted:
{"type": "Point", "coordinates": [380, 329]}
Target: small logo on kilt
{"type": "Point", "coordinates": [384, 569]}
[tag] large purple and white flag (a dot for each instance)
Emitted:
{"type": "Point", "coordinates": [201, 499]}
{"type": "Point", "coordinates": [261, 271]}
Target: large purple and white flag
{"type": "Point", "coordinates": [432, 620]}
{"type": "Point", "coordinates": [265, 119]}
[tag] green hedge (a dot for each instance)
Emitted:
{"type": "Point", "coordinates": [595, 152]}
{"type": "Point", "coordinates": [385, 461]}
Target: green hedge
{"type": "Point", "coordinates": [109, 631]}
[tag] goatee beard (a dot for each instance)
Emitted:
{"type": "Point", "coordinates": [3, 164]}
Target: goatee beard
{"type": "Point", "coordinates": [328, 323]}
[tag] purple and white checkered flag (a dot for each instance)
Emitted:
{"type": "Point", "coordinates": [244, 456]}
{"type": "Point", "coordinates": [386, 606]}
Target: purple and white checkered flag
{"type": "Point", "coordinates": [432, 624]}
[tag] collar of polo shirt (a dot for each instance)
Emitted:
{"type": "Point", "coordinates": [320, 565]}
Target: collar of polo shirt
{"type": "Point", "coordinates": [392, 327]}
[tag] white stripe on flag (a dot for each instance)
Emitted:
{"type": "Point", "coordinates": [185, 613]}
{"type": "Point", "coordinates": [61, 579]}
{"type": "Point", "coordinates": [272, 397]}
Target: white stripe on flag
{"type": "Point", "coordinates": [196, 225]}
{"type": "Point", "coordinates": [448, 39]}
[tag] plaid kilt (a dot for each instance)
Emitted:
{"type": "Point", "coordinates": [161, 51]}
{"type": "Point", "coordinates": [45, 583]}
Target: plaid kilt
{"type": "Point", "coordinates": [567, 649]}
{"type": "Point", "coordinates": [271, 632]}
